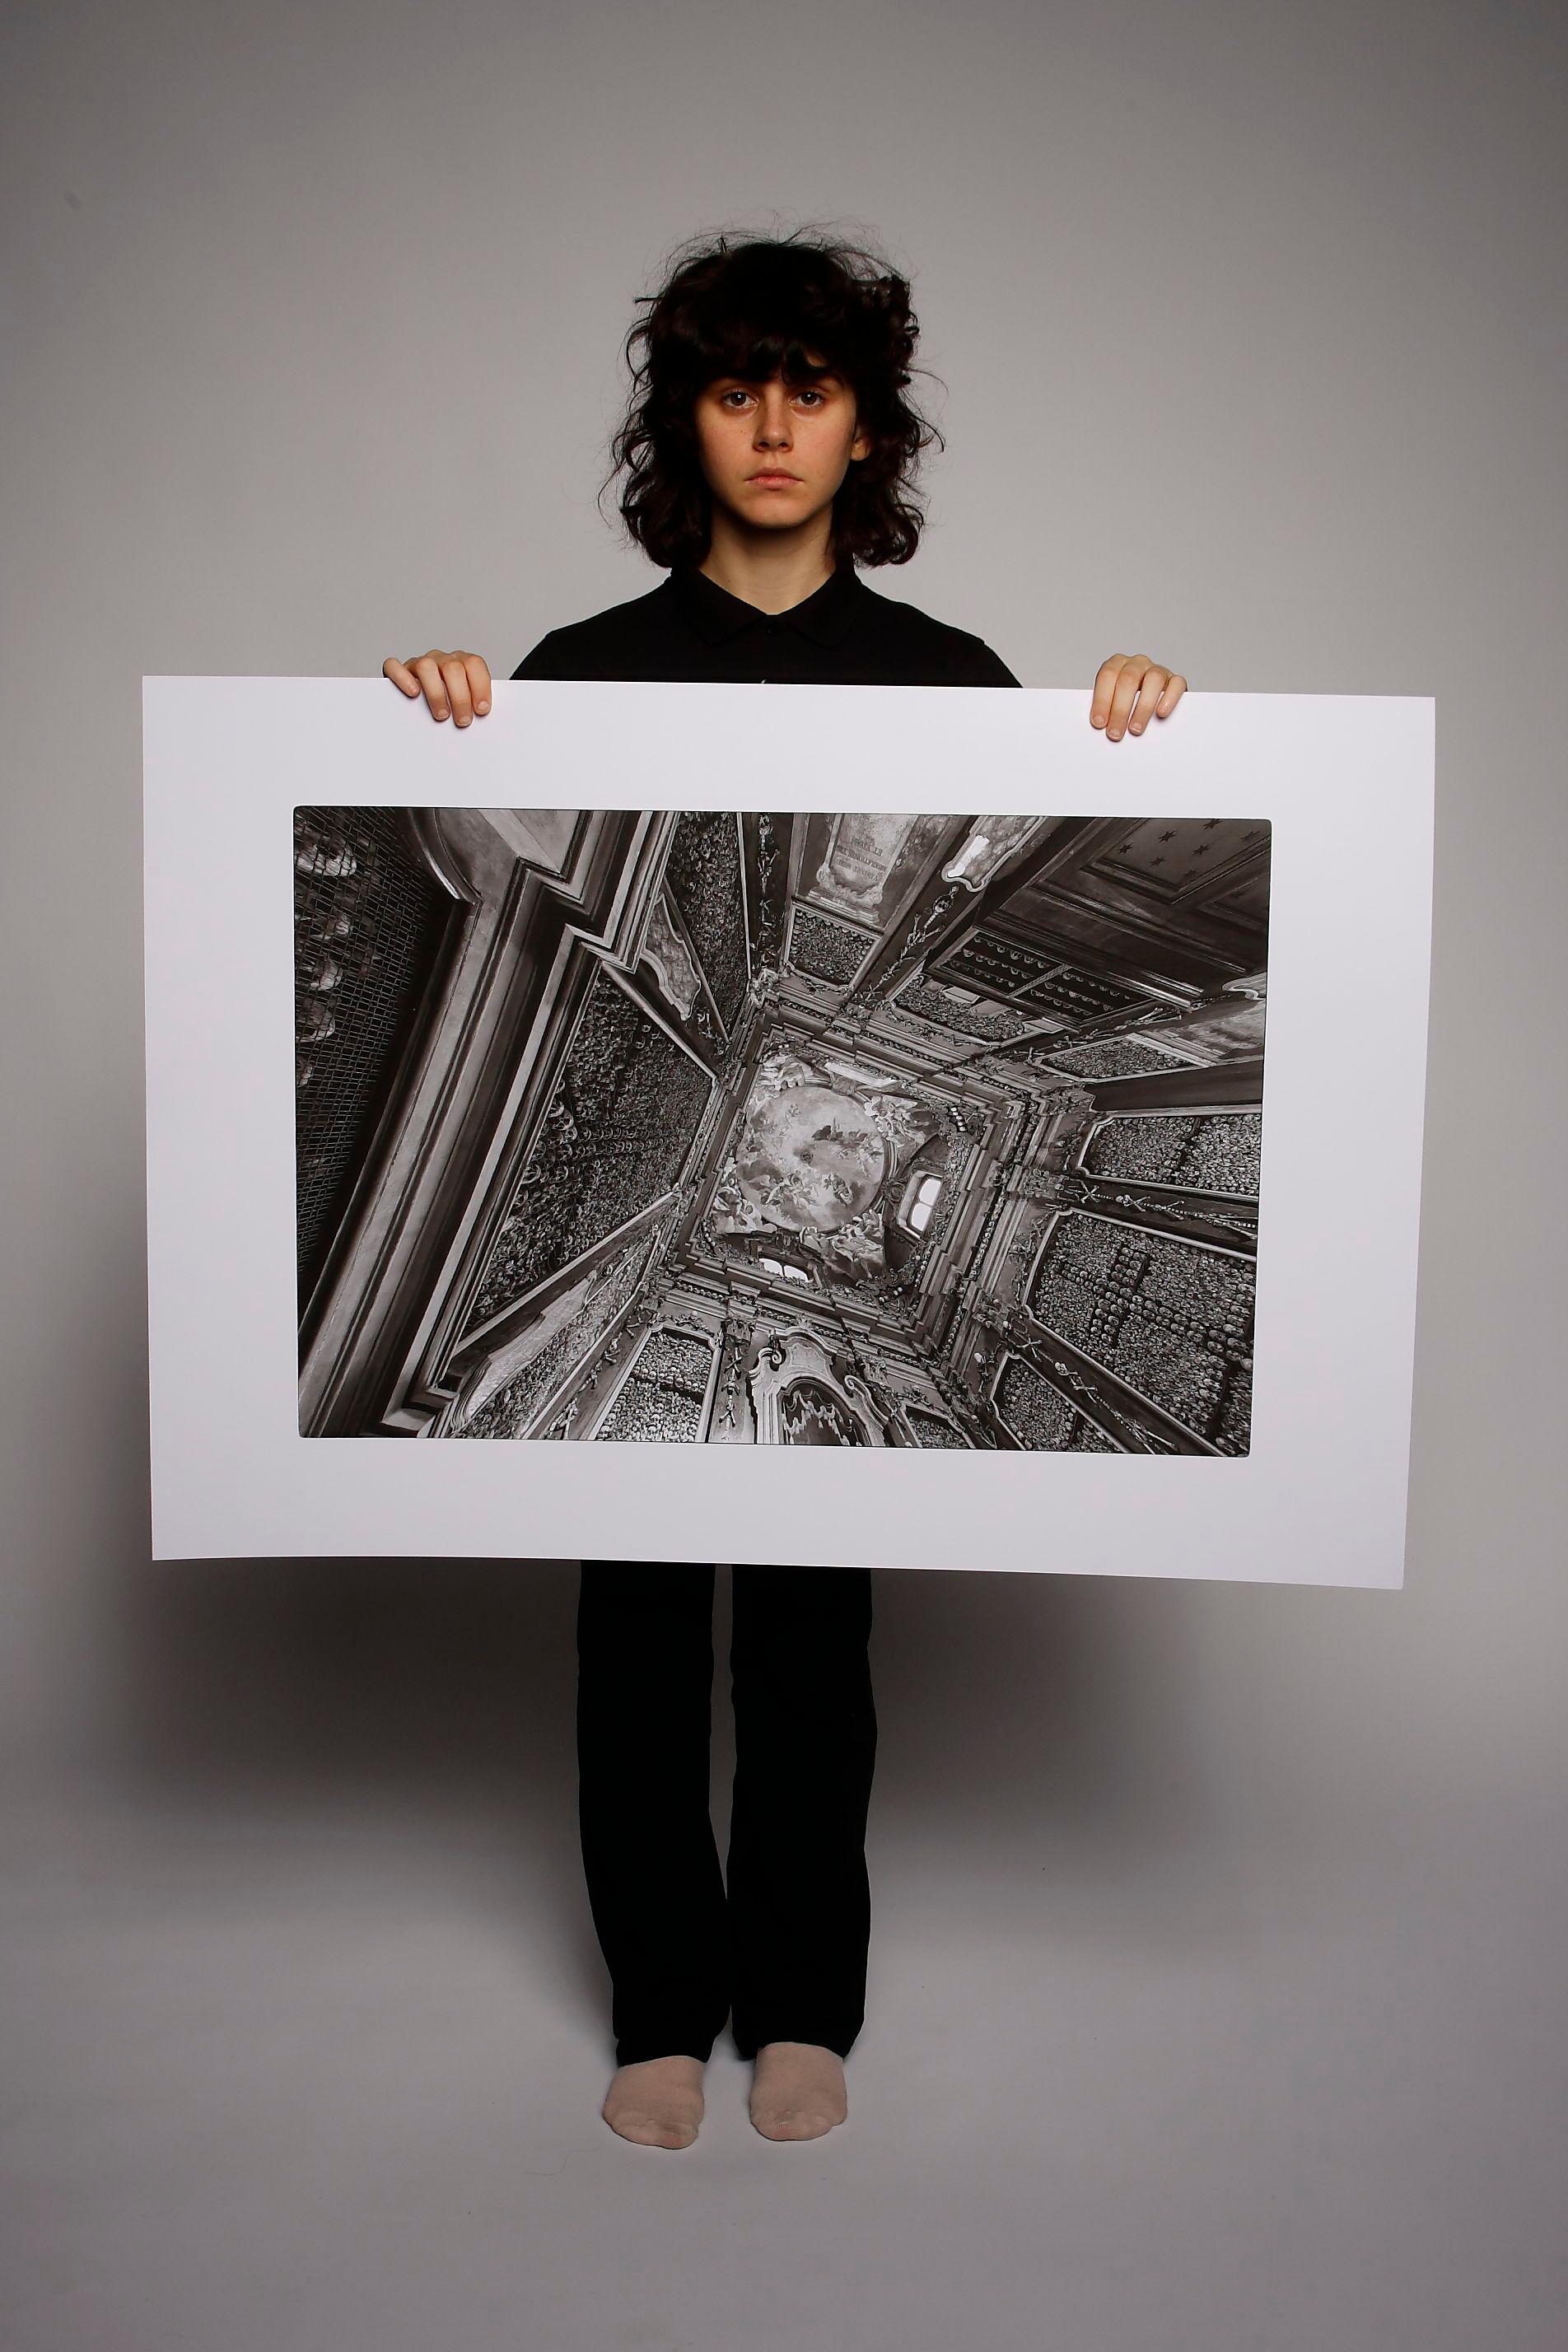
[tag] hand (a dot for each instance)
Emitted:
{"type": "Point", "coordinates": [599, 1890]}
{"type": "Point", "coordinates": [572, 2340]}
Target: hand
{"type": "Point", "coordinates": [1128, 678]}
{"type": "Point", "coordinates": [456, 685]}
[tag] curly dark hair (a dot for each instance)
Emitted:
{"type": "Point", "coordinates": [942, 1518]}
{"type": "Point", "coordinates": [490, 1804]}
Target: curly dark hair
{"type": "Point", "coordinates": [755, 308]}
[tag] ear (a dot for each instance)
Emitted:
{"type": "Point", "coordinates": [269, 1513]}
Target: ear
{"type": "Point", "coordinates": [860, 446]}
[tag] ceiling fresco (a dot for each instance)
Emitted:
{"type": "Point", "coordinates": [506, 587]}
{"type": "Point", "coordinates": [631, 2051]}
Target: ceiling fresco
{"type": "Point", "coordinates": [840, 1128]}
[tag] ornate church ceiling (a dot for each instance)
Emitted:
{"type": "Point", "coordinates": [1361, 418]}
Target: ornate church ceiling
{"type": "Point", "coordinates": [931, 1130]}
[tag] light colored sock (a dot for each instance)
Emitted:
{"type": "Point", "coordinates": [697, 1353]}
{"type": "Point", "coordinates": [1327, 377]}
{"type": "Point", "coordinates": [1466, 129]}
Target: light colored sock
{"type": "Point", "coordinates": [797, 2089]}
{"type": "Point", "coordinates": [657, 2101]}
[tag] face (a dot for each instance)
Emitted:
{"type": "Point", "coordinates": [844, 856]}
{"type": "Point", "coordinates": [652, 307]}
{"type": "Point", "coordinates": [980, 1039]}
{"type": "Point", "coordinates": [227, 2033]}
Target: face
{"type": "Point", "coordinates": [774, 457]}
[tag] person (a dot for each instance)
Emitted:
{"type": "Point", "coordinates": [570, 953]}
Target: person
{"type": "Point", "coordinates": [769, 448]}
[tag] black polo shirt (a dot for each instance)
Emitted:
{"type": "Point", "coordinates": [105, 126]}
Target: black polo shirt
{"type": "Point", "coordinates": [689, 629]}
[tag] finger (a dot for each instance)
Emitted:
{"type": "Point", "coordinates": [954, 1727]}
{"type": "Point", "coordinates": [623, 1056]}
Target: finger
{"type": "Point", "coordinates": [1174, 687]}
{"type": "Point", "coordinates": [401, 677]}
{"type": "Point", "coordinates": [428, 670]}
{"type": "Point", "coordinates": [1105, 678]}
{"type": "Point", "coordinates": [1150, 686]}
{"type": "Point", "coordinates": [1125, 695]}
{"type": "Point", "coordinates": [479, 683]}
{"type": "Point", "coordinates": [456, 677]}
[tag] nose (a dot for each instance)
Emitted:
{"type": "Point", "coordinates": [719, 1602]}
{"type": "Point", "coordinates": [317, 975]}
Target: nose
{"type": "Point", "coordinates": [773, 418]}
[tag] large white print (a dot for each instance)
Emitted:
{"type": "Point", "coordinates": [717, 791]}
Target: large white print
{"type": "Point", "coordinates": [813, 1123]}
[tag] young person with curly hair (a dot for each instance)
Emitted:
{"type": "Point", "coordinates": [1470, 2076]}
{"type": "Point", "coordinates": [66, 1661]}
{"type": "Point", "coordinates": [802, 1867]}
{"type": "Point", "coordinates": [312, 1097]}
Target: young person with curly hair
{"type": "Point", "coordinates": [770, 447]}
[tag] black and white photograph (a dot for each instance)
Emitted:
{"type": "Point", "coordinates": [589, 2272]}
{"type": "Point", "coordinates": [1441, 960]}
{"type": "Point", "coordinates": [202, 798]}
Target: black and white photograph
{"type": "Point", "coordinates": [810, 1129]}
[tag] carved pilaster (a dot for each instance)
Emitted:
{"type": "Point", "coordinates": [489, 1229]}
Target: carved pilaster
{"type": "Point", "coordinates": [1163, 1208]}
{"type": "Point", "coordinates": [768, 835]}
{"type": "Point", "coordinates": [1137, 1424]}
{"type": "Point", "coordinates": [496, 1335]}
{"type": "Point", "coordinates": [1185, 1086]}
{"type": "Point", "coordinates": [732, 1422]}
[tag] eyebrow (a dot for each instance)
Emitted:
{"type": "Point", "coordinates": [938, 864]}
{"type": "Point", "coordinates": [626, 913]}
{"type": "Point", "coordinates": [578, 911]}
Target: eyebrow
{"type": "Point", "coordinates": [813, 381]}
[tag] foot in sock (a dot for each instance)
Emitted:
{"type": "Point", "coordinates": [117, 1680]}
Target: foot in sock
{"type": "Point", "coordinates": [797, 2089]}
{"type": "Point", "coordinates": [657, 2102]}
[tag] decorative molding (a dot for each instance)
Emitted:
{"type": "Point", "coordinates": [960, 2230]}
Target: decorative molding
{"type": "Point", "coordinates": [800, 1356]}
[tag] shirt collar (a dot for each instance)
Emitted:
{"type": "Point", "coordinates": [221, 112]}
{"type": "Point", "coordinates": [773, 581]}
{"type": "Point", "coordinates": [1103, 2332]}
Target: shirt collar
{"type": "Point", "coordinates": [825, 616]}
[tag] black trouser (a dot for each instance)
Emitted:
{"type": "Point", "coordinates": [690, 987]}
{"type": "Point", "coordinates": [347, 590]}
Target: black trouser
{"type": "Point", "coordinates": [784, 1951]}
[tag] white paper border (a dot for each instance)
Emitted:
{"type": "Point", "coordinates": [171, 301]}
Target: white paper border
{"type": "Point", "coordinates": [1346, 784]}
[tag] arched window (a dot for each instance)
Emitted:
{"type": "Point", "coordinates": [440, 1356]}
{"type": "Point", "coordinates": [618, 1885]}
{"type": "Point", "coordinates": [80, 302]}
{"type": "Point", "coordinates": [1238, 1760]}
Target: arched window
{"type": "Point", "coordinates": [784, 1269]}
{"type": "Point", "coordinates": [918, 1203]}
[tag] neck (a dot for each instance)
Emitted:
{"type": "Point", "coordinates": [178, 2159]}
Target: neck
{"type": "Point", "coordinates": [771, 570]}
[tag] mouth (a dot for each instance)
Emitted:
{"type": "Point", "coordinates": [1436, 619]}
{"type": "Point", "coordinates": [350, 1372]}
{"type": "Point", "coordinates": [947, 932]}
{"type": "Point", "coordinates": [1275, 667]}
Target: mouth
{"type": "Point", "coordinates": [771, 476]}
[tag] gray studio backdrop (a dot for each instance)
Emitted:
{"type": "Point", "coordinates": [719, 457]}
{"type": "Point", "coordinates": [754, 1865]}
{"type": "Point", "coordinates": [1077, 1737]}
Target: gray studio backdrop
{"type": "Point", "coordinates": [1250, 320]}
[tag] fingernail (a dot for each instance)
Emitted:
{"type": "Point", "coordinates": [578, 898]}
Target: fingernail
{"type": "Point", "coordinates": [1136, 727]}
{"type": "Point", "coordinates": [481, 707]}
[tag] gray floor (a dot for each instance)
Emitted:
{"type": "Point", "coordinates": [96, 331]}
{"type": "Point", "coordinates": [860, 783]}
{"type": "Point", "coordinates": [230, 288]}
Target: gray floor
{"type": "Point", "coordinates": [306, 2043]}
